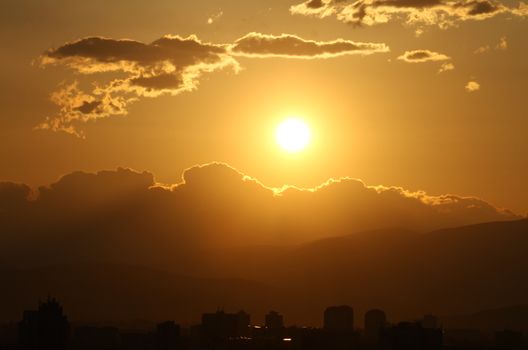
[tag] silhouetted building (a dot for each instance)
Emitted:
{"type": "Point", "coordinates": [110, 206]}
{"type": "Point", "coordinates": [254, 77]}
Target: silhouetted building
{"type": "Point", "coordinates": [430, 321]}
{"type": "Point", "coordinates": [45, 328]}
{"type": "Point", "coordinates": [243, 321]}
{"type": "Point", "coordinates": [100, 338]}
{"type": "Point", "coordinates": [137, 340]}
{"type": "Point", "coordinates": [466, 339]}
{"type": "Point", "coordinates": [411, 336]}
{"type": "Point", "coordinates": [339, 318]}
{"type": "Point", "coordinates": [274, 320]}
{"type": "Point", "coordinates": [375, 321]}
{"type": "Point", "coordinates": [223, 325]}
{"type": "Point", "coordinates": [8, 336]}
{"type": "Point", "coordinates": [167, 335]}
{"type": "Point", "coordinates": [323, 339]}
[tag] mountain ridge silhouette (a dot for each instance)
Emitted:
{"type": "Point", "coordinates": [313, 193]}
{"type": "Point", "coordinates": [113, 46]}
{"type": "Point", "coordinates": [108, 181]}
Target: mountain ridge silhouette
{"type": "Point", "coordinates": [446, 272]}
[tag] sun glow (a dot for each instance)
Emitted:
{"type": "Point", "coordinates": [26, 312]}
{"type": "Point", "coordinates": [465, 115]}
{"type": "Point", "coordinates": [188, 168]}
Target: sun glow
{"type": "Point", "coordinates": [293, 135]}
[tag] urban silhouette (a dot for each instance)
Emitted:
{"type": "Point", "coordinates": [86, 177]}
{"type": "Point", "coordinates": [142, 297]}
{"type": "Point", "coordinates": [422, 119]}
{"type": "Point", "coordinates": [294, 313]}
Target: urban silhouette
{"type": "Point", "coordinates": [48, 328]}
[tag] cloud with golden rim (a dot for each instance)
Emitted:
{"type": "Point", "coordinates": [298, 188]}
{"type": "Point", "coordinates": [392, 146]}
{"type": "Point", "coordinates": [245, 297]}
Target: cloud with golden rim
{"type": "Point", "coordinates": [291, 46]}
{"type": "Point", "coordinates": [168, 66]}
{"type": "Point", "coordinates": [441, 13]}
{"type": "Point", "coordinates": [421, 56]}
{"type": "Point", "coordinates": [213, 204]}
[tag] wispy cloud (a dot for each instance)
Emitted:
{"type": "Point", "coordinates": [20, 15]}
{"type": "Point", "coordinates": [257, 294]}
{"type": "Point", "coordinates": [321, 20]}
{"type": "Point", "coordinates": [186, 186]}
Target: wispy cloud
{"type": "Point", "coordinates": [168, 66]}
{"type": "Point", "coordinates": [446, 67]}
{"type": "Point", "coordinates": [502, 45]}
{"type": "Point", "coordinates": [214, 18]}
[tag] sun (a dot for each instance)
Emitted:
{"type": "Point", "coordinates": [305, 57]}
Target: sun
{"type": "Point", "coordinates": [293, 135]}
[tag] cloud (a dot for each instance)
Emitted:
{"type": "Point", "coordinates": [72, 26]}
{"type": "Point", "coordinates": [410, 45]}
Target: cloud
{"type": "Point", "coordinates": [420, 56]}
{"type": "Point", "coordinates": [168, 66]}
{"type": "Point", "coordinates": [472, 86]}
{"type": "Point", "coordinates": [125, 215]}
{"type": "Point", "coordinates": [441, 13]}
{"type": "Point", "coordinates": [482, 49]}
{"type": "Point", "coordinates": [291, 46]}
{"type": "Point", "coordinates": [501, 45]}
{"type": "Point", "coordinates": [445, 67]}
{"type": "Point", "coordinates": [13, 196]}
{"type": "Point", "coordinates": [215, 17]}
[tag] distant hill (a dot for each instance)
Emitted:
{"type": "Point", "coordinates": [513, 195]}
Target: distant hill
{"type": "Point", "coordinates": [109, 292]}
{"type": "Point", "coordinates": [452, 271]}
{"type": "Point", "coordinates": [455, 271]}
{"type": "Point", "coordinates": [511, 317]}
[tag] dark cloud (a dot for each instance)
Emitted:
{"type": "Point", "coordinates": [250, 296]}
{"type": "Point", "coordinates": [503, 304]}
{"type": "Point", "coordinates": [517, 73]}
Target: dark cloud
{"type": "Point", "coordinates": [168, 66]}
{"type": "Point", "coordinates": [442, 13]}
{"type": "Point", "coordinates": [88, 107]}
{"type": "Point", "coordinates": [159, 82]}
{"type": "Point", "coordinates": [409, 3]}
{"type": "Point", "coordinates": [13, 195]}
{"type": "Point", "coordinates": [291, 46]}
{"type": "Point", "coordinates": [476, 8]}
{"type": "Point", "coordinates": [314, 4]}
{"type": "Point", "coordinates": [124, 215]}
{"type": "Point", "coordinates": [167, 53]}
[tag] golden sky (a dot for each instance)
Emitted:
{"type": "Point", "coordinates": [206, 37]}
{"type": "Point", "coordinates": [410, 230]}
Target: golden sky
{"type": "Point", "coordinates": [424, 94]}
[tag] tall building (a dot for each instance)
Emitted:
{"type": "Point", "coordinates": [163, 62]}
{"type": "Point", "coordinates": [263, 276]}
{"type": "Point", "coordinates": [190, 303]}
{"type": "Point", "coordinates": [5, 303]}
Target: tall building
{"type": "Point", "coordinates": [167, 335]}
{"type": "Point", "coordinates": [375, 321]}
{"type": "Point", "coordinates": [243, 321]}
{"type": "Point", "coordinates": [274, 320]}
{"type": "Point", "coordinates": [222, 325]}
{"type": "Point", "coordinates": [100, 338]}
{"type": "Point", "coordinates": [411, 336]}
{"type": "Point", "coordinates": [339, 318]}
{"type": "Point", "coordinates": [44, 329]}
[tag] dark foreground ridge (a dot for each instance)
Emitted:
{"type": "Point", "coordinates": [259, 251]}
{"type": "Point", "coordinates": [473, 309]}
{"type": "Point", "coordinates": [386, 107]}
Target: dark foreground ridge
{"type": "Point", "coordinates": [48, 328]}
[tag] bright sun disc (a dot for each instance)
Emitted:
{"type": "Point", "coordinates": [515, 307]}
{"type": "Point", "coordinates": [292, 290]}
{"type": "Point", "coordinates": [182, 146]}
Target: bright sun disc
{"type": "Point", "coordinates": [293, 135]}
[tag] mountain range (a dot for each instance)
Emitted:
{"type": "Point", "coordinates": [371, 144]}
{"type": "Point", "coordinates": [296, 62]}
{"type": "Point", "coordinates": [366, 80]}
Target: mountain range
{"type": "Point", "coordinates": [456, 271]}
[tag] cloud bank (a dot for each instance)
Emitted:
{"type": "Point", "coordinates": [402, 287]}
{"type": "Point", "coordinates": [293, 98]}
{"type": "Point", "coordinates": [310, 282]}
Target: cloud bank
{"type": "Point", "coordinates": [441, 13]}
{"type": "Point", "coordinates": [168, 66]}
{"type": "Point", "coordinates": [126, 216]}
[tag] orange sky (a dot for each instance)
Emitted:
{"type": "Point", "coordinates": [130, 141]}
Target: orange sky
{"type": "Point", "coordinates": [435, 105]}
